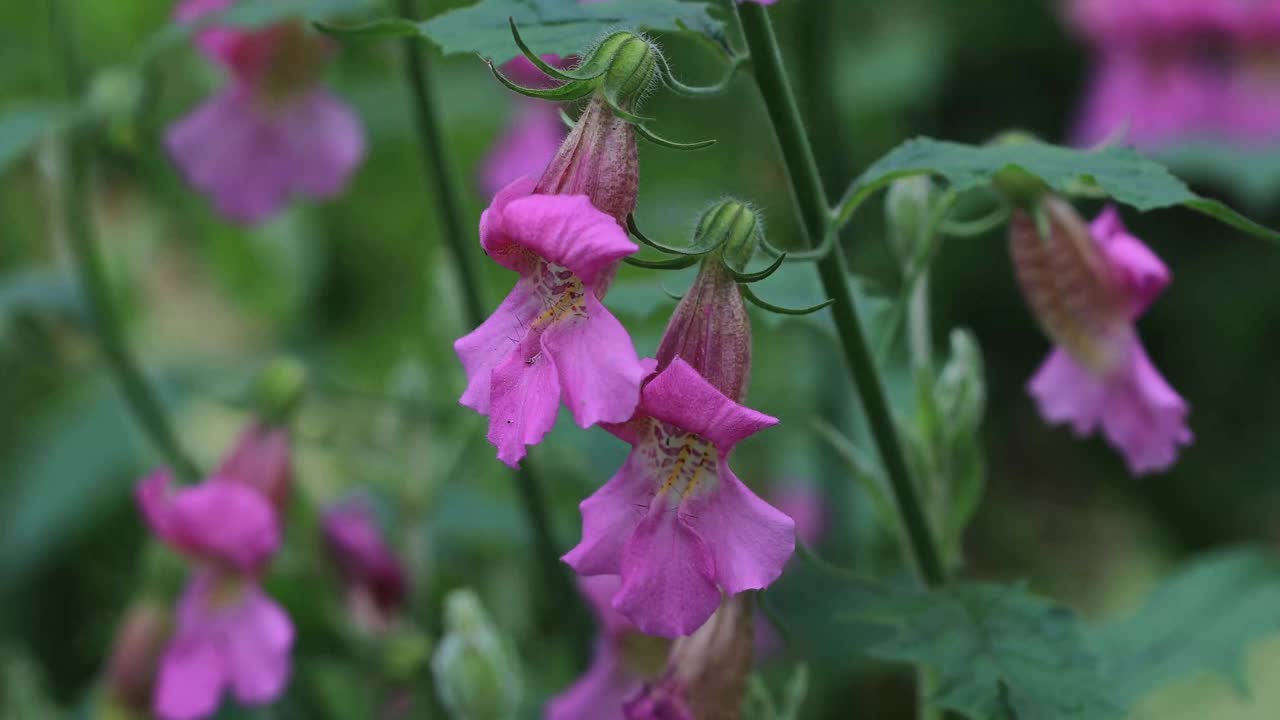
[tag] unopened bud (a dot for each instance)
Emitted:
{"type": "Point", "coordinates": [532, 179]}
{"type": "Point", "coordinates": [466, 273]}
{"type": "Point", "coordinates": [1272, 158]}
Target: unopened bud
{"type": "Point", "coordinates": [630, 64]}
{"type": "Point", "coordinates": [961, 389]}
{"type": "Point", "coordinates": [135, 656]}
{"type": "Point", "coordinates": [115, 93]}
{"type": "Point", "coordinates": [734, 228]}
{"type": "Point", "coordinates": [475, 669]}
{"type": "Point", "coordinates": [372, 573]}
{"type": "Point", "coordinates": [279, 389]}
{"type": "Point", "coordinates": [906, 207]}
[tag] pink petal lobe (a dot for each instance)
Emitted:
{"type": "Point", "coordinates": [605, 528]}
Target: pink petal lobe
{"type": "Point", "coordinates": [326, 142]}
{"type": "Point", "coordinates": [599, 591]}
{"type": "Point", "coordinates": [257, 647]}
{"type": "Point", "coordinates": [599, 693]}
{"type": "Point", "coordinates": [667, 575]}
{"type": "Point", "coordinates": [562, 229]}
{"type": "Point", "coordinates": [525, 147]}
{"type": "Point", "coordinates": [486, 347]}
{"type": "Point", "coordinates": [1067, 392]}
{"type": "Point", "coordinates": [190, 680]}
{"type": "Point", "coordinates": [1141, 274]}
{"type": "Point", "coordinates": [610, 517]}
{"type": "Point", "coordinates": [524, 397]}
{"type": "Point", "coordinates": [750, 539]}
{"type": "Point", "coordinates": [227, 522]}
{"type": "Point", "coordinates": [599, 370]}
{"type": "Point", "coordinates": [680, 396]}
{"type": "Point", "coordinates": [1144, 417]}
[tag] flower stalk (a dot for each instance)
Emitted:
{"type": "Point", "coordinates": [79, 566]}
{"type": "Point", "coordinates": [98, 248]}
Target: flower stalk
{"type": "Point", "coordinates": [817, 216]}
{"type": "Point", "coordinates": [72, 173]}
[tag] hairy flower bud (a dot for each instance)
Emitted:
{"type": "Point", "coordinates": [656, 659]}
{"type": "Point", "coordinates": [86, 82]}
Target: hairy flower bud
{"type": "Point", "coordinates": [961, 389]}
{"type": "Point", "coordinates": [599, 160]}
{"type": "Point", "coordinates": [906, 208]}
{"type": "Point", "coordinates": [706, 676]}
{"type": "Point", "coordinates": [475, 668]}
{"type": "Point", "coordinates": [135, 656]}
{"type": "Point", "coordinates": [710, 328]}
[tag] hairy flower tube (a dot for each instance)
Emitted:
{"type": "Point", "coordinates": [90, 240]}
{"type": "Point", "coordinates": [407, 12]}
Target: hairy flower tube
{"type": "Point", "coordinates": [229, 634]}
{"type": "Point", "coordinates": [1087, 285]}
{"type": "Point", "coordinates": [624, 659]}
{"type": "Point", "coordinates": [551, 338]}
{"type": "Point", "coordinates": [272, 132]}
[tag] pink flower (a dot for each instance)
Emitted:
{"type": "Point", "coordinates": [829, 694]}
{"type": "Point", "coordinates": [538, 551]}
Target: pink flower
{"type": "Point", "coordinates": [525, 147]}
{"type": "Point", "coordinates": [1088, 285]}
{"type": "Point", "coordinates": [675, 522]}
{"type": "Point", "coordinates": [598, 159]}
{"type": "Point", "coordinates": [229, 635]}
{"type": "Point", "coordinates": [227, 524]}
{"type": "Point", "coordinates": [623, 660]}
{"type": "Point", "coordinates": [551, 337]}
{"type": "Point", "coordinates": [272, 132]}
{"type": "Point", "coordinates": [261, 460]}
{"type": "Point", "coordinates": [369, 568]}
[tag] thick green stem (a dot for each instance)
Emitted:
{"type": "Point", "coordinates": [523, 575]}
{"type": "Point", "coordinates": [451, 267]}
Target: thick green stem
{"type": "Point", "coordinates": [811, 197]}
{"type": "Point", "coordinates": [72, 173]}
{"type": "Point", "coordinates": [560, 592]}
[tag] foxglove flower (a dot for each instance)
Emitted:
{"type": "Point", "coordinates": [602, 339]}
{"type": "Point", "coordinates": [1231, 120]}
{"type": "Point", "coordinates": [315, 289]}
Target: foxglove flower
{"type": "Point", "coordinates": [272, 131]}
{"type": "Point", "coordinates": [372, 573]}
{"type": "Point", "coordinates": [675, 522]}
{"type": "Point", "coordinates": [551, 337]}
{"type": "Point", "coordinates": [229, 634]}
{"type": "Point", "coordinates": [1087, 286]}
{"type": "Point", "coordinates": [624, 659]}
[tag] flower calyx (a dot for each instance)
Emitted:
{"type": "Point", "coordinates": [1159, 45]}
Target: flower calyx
{"type": "Point", "coordinates": [623, 69]}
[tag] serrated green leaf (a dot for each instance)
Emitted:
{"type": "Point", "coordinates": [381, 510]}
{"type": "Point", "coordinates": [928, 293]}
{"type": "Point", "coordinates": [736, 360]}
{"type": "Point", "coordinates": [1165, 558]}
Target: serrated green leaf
{"type": "Point", "coordinates": [21, 127]}
{"type": "Point", "coordinates": [999, 652]}
{"type": "Point", "coordinates": [1119, 173]}
{"type": "Point", "coordinates": [563, 27]}
{"type": "Point", "coordinates": [1201, 619]}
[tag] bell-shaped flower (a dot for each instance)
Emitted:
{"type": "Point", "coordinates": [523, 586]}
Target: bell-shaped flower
{"type": "Point", "coordinates": [551, 338]}
{"type": "Point", "coordinates": [229, 636]}
{"type": "Point", "coordinates": [623, 661]}
{"type": "Point", "coordinates": [675, 522]}
{"type": "Point", "coordinates": [1087, 286]}
{"type": "Point", "coordinates": [227, 524]}
{"type": "Point", "coordinates": [272, 131]}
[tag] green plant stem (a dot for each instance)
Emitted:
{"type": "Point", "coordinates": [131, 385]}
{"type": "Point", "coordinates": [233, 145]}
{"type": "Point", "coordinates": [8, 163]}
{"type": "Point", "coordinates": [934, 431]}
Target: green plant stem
{"type": "Point", "coordinates": [560, 593]}
{"type": "Point", "coordinates": [806, 182]}
{"type": "Point", "coordinates": [72, 173]}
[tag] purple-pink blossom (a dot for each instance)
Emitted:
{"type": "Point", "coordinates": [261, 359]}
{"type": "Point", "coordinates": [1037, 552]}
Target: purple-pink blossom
{"type": "Point", "coordinates": [271, 132]}
{"type": "Point", "coordinates": [1088, 285]}
{"type": "Point", "coordinates": [551, 338]}
{"type": "Point", "coordinates": [261, 458]}
{"type": "Point", "coordinates": [371, 571]}
{"type": "Point", "coordinates": [675, 522]}
{"type": "Point", "coordinates": [525, 147]}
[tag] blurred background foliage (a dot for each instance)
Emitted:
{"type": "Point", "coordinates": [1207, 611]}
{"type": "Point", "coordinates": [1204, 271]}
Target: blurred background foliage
{"type": "Point", "coordinates": [360, 290]}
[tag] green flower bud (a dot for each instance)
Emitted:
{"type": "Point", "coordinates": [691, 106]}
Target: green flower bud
{"type": "Point", "coordinates": [628, 64]}
{"type": "Point", "coordinates": [961, 390]}
{"type": "Point", "coordinates": [476, 671]}
{"type": "Point", "coordinates": [279, 389]}
{"type": "Point", "coordinates": [735, 228]}
{"type": "Point", "coordinates": [906, 207]}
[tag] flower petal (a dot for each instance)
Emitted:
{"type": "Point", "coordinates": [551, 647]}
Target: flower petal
{"type": "Point", "coordinates": [680, 396]}
{"type": "Point", "coordinates": [563, 229]}
{"type": "Point", "coordinates": [599, 693]}
{"type": "Point", "coordinates": [1067, 392]}
{"type": "Point", "coordinates": [1141, 274]}
{"type": "Point", "coordinates": [1144, 417]}
{"type": "Point", "coordinates": [599, 591]}
{"type": "Point", "coordinates": [599, 370]}
{"type": "Point", "coordinates": [667, 572]}
{"type": "Point", "coordinates": [326, 142]}
{"type": "Point", "coordinates": [258, 645]}
{"type": "Point", "coordinates": [223, 521]}
{"type": "Point", "coordinates": [750, 539]}
{"type": "Point", "coordinates": [525, 147]}
{"type": "Point", "coordinates": [494, 341]}
{"type": "Point", "coordinates": [524, 397]}
{"type": "Point", "coordinates": [190, 679]}
{"type": "Point", "coordinates": [609, 518]}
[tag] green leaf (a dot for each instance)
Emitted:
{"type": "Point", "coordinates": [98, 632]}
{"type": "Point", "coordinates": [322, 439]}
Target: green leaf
{"type": "Point", "coordinates": [1201, 619]}
{"type": "Point", "coordinates": [563, 27]}
{"type": "Point", "coordinates": [21, 127]}
{"type": "Point", "coordinates": [384, 28]}
{"type": "Point", "coordinates": [248, 14]}
{"type": "Point", "coordinates": [1119, 173]}
{"type": "Point", "coordinates": [999, 652]}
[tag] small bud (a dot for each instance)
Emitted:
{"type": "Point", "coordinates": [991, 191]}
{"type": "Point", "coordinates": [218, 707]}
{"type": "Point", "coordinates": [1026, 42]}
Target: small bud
{"type": "Point", "coordinates": [279, 389]}
{"type": "Point", "coordinates": [599, 160]}
{"type": "Point", "coordinates": [733, 227]}
{"type": "Point", "coordinates": [261, 459]}
{"type": "Point", "coordinates": [961, 389]}
{"type": "Point", "coordinates": [631, 65]}
{"type": "Point", "coordinates": [135, 656]}
{"type": "Point", "coordinates": [475, 669]}
{"type": "Point", "coordinates": [372, 573]}
{"type": "Point", "coordinates": [907, 206]}
{"type": "Point", "coordinates": [707, 671]}
{"type": "Point", "coordinates": [115, 93]}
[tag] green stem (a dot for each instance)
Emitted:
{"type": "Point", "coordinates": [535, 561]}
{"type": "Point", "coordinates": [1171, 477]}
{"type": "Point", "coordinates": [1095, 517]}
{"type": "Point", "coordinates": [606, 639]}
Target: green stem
{"type": "Point", "coordinates": [73, 175]}
{"type": "Point", "coordinates": [833, 271]}
{"type": "Point", "coordinates": [558, 584]}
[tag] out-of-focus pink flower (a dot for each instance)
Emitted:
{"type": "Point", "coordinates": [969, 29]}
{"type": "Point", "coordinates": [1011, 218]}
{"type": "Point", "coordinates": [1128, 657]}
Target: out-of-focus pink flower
{"type": "Point", "coordinates": [525, 147]}
{"type": "Point", "coordinates": [227, 524]}
{"type": "Point", "coordinates": [369, 568]}
{"type": "Point", "coordinates": [1087, 286]}
{"type": "Point", "coordinates": [229, 635]}
{"type": "Point", "coordinates": [675, 522]}
{"type": "Point", "coordinates": [623, 660]}
{"type": "Point", "coordinates": [262, 460]}
{"type": "Point", "coordinates": [272, 132]}
{"type": "Point", "coordinates": [551, 338]}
